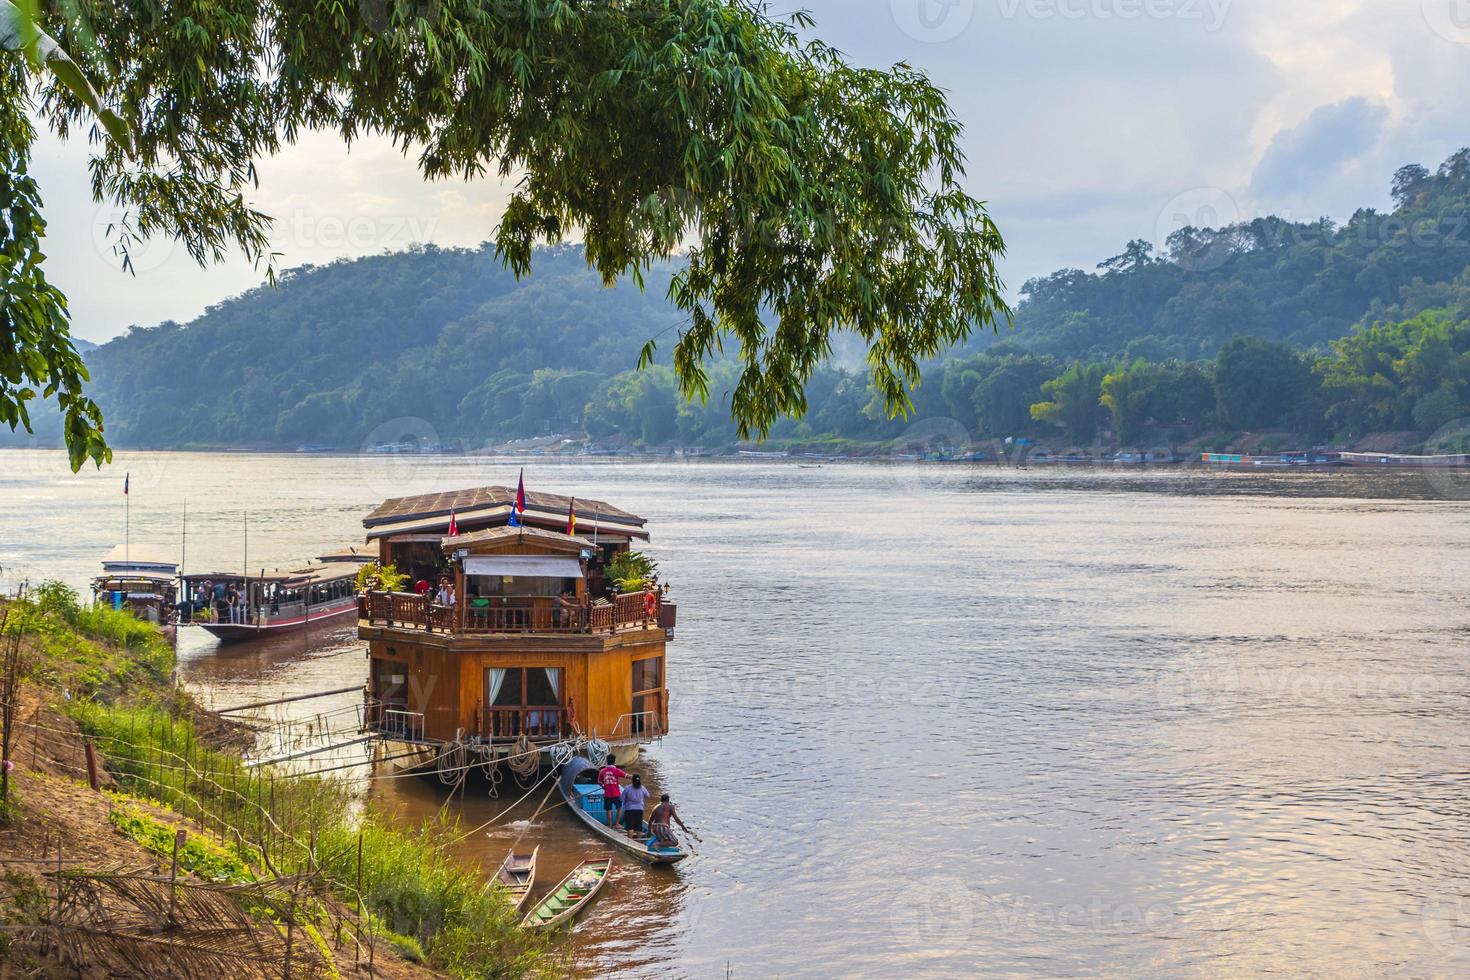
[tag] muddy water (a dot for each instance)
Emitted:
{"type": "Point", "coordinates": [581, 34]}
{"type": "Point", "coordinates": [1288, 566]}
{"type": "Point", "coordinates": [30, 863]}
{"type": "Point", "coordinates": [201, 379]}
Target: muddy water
{"type": "Point", "coordinates": [945, 719]}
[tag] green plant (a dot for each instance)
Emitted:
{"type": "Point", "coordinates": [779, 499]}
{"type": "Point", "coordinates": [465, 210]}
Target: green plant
{"type": "Point", "coordinates": [385, 578]}
{"type": "Point", "coordinates": [200, 856]}
{"type": "Point", "coordinates": [631, 570]}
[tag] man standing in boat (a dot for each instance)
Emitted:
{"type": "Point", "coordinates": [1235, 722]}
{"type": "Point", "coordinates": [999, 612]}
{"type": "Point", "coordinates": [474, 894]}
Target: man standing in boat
{"type": "Point", "coordinates": [612, 790]}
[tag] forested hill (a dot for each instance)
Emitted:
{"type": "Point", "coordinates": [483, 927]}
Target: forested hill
{"type": "Point", "coordinates": [1302, 283]}
{"type": "Point", "coordinates": [1312, 329]}
{"type": "Point", "coordinates": [446, 335]}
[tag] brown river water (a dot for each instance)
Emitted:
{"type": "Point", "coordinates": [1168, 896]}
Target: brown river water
{"type": "Point", "coordinates": [947, 719]}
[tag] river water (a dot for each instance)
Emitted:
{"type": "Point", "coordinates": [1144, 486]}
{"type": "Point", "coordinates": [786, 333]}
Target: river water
{"type": "Point", "coordinates": [938, 719]}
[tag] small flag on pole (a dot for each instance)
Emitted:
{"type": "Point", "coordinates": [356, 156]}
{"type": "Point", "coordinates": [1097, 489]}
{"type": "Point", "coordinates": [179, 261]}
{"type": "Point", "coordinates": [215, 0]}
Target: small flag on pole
{"type": "Point", "coordinates": [572, 517]}
{"type": "Point", "coordinates": [453, 525]}
{"type": "Point", "coordinates": [519, 506]}
{"type": "Point", "coordinates": [126, 477]}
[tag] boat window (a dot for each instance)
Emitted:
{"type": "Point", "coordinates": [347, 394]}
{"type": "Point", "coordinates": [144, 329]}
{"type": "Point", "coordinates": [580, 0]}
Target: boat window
{"type": "Point", "coordinates": [523, 686]}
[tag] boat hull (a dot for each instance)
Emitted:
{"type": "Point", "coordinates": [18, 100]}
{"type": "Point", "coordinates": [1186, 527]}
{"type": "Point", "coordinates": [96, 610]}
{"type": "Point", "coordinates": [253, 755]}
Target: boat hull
{"type": "Point", "coordinates": [543, 916]}
{"type": "Point", "coordinates": [237, 632]}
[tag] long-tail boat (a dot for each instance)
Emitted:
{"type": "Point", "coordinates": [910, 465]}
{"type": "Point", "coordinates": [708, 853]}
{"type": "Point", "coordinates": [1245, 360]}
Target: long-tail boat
{"type": "Point", "coordinates": [517, 875]}
{"type": "Point", "coordinates": [272, 600]}
{"type": "Point", "coordinates": [568, 899]}
{"type": "Point", "coordinates": [578, 784]}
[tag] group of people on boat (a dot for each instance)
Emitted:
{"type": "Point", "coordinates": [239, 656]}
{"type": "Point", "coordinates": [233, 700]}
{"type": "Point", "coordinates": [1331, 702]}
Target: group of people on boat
{"type": "Point", "coordinates": [220, 602]}
{"type": "Point", "coordinates": [630, 801]}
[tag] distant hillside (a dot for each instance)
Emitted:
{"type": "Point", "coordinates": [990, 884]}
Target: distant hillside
{"type": "Point", "coordinates": [1147, 348]}
{"type": "Point", "coordinates": [1302, 283]}
{"type": "Point", "coordinates": [446, 335]}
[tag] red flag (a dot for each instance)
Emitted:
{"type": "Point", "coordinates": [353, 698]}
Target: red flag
{"type": "Point", "coordinates": [519, 507]}
{"type": "Point", "coordinates": [453, 526]}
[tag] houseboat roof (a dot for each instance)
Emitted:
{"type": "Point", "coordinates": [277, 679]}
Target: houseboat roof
{"type": "Point", "coordinates": [138, 556]}
{"type": "Point", "coordinates": [430, 513]}
{"type": "Point", "coordinates": [495, 535]}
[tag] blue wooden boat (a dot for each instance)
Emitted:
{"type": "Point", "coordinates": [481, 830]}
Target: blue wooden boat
{"type": "Point", "coordinates": [578, 783]}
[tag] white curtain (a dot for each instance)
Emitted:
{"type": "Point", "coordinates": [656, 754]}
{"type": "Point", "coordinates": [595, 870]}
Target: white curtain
{"type": "Point", "coordinates": [553, 677]}
{"type": "Point", "coordinates": [494, 676]}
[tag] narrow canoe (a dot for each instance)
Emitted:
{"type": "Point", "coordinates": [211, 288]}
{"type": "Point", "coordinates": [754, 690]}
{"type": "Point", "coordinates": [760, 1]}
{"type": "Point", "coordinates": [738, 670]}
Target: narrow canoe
{"type": "Point", "coordinates": [517, 875]}
{"type": "Point", "coordinates": [568, 899]}
{"type": "Point", "coordinates": [584, 799]}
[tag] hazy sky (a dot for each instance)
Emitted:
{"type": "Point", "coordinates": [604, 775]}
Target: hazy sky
{"type": "Point", "coordinates": [1088, 123]}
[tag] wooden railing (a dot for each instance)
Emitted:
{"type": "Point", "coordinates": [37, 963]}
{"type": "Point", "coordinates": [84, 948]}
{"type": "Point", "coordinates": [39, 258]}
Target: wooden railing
{"type": "Point", "coordinates": [549, 723]}
{"type": "Point", "coordinates": [512, 615]}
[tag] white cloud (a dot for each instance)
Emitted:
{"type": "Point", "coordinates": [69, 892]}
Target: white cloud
{"type": "Point", "coordinates": [1084, 120]}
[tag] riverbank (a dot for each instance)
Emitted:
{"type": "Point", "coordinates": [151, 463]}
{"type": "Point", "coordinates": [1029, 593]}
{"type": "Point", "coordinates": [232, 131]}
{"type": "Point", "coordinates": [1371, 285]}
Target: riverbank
{"type": "Point", "coordinates": [181, 858]}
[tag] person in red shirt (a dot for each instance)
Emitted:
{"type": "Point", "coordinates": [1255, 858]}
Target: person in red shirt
{"type": "Point", "coordinates": [612, 790]}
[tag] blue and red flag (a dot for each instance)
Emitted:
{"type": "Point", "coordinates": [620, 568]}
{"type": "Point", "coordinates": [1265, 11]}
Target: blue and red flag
{"type": "Point", "coordinates": [126, 477]}
{"type": "Point", "coordinates": [519, 507]}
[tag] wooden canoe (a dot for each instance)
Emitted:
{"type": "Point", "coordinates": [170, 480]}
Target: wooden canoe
{"type": "Point", "coordinates": [517, 875]}
{"type": "Point", "coordinates": [567, 899]}
{"type": "Point", "coordinates": [584, 799]}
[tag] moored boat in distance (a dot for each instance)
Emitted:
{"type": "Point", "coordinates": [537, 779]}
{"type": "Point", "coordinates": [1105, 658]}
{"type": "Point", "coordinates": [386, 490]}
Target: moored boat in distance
{"type": "Point", "coordinates": [233, 606]}
{"type": "Point", "coordinates": [570, 897]}
{"type": "Point", "coordinates": [143, 581]}
{"type": "Point", "coordinates": [517, 875]}
{"type": "Point", "coordinates": [578, 784]}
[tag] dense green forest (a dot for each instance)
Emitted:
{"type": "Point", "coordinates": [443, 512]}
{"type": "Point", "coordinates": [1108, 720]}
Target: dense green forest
{"type": "Point", "coordinates": [1324, 332]}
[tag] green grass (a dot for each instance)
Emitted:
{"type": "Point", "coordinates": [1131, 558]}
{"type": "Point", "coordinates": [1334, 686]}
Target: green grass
{"type": "Point", "coordinates": [200, 856]}
{"type": "Point", "coordinates": [114, 673]}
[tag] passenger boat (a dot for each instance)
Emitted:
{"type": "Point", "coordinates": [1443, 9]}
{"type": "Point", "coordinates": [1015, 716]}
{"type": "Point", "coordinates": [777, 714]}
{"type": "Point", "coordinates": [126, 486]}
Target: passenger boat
{"type": "Point", "coordinates": [538, 652]}
{"type": "Point", "coordinates": [578, 784]}
{"type": "Point", "coordinates": [517, 875]}
{"type": "Point", "coordinates": [142, 581]}
{"type": "Point", "coordinates": [272, 601]}
{"type": "Point", "coordinates": [568, 899]}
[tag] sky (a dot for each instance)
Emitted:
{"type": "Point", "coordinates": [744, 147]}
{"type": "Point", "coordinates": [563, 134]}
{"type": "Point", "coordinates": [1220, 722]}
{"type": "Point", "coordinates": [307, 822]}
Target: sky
{"type": "Point", "coordinates": [1087, 123]}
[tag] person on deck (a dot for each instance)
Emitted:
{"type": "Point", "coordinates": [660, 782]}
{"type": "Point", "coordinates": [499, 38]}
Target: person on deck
{"type": "Point", "coordinates": [445, 595]}
{"type": "Point", "coordinates": [612, 790]}
{"type": "Point", "coordinates": [634, 798]}
{"type": "Point", "coordinates": [658, 822]}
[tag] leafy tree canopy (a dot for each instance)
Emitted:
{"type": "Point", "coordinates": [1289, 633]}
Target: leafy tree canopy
{"type": "Point", "coordinates": [819, 196]}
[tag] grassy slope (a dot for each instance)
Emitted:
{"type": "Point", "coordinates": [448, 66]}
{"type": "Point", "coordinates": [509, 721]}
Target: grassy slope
{"type": "Point", "coordinates": [109, 675]}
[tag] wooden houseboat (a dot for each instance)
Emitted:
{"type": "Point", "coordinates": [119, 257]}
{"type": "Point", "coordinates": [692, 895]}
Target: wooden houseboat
{"type": "Point", "coordinates": [536, 649]}
{"type": "Point", "coordinates": [274, 600]}
{"type": "Point", "coordinates": [141, 580]}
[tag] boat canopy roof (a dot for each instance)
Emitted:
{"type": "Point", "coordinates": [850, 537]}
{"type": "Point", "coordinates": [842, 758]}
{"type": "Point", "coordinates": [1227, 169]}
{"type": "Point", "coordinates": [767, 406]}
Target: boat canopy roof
{"type": "Point", "coordinates": [486, 506]}
{"type": "Point", "coordinates": [495, 537]}
{"type": "Point", "coordinates": [575, 767]}
{"type": "Point", "coordinates": [292, 578]}
{"type": "Point", "coordinates": [139, 557]}
{"type": "Point", "coordinates": [163, 578]}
